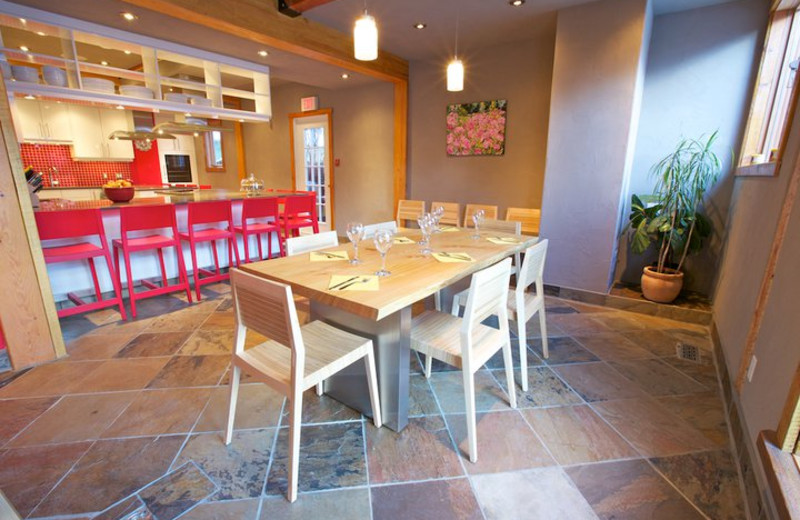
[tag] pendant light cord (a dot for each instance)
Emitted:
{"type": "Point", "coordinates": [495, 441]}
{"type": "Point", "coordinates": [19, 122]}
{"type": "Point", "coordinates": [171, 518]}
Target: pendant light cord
{"type": "Point", "coordinates": [458, 16]}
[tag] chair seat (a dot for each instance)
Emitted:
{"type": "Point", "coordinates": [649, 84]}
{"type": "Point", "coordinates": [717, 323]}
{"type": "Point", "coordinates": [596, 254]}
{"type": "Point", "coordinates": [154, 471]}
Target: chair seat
{"type": "Point", "coordinates": [297, 221]}
{"type": "Point", "coordinates": [532, 302]}
{"type": "Point", "coordinates": [148, 242]}
{"type": "Point", "coordinates": [439, 335]}
{"type": "Point", "coordinates": [80, 250]}
{"type": "Point", "coordinates": [328, 350]}
{"type": "Point", "coordinates": [207, 234]}
{"type": "Point", "coordinates": [257, 228]}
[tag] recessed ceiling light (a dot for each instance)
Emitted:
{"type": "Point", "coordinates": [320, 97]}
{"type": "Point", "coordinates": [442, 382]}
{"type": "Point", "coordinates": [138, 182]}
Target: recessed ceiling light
{"type": "Point", "coordinates": [188, 114]}
{"type": "Point", "coordinates": [23, 48]}
{"type": "Point", "coordinates": [241, 120]}
{"type": "Point", "coordinates": [196, 134]}
{"type": "Point", "coordinates": [420, 25]}
{"type": "Point", "coordinates": [516, 3]}
{"type": "Point", "coordinates": [119, 107]}
{"type": "Point", "coordinates": [126, 51]}
{"type": "Point", "coordinates": [104, 63]}
{"type": "Point", "coordinates": [23, 21]}
{"type": "Point", "coordinates": [263, 54]}
{"type": "Point", "coordinates": [345, 75]}
{"type": "Point", "coordinates": [130, 17]}
{"type": "Point", "coordinates": [40, 33]}
{"type": "Point", "coordinates": [30, 97]}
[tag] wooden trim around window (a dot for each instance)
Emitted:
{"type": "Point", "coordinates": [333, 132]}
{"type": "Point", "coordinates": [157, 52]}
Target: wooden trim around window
{"type": "Point", "coordinates": [400, 141]}
{"type": "Point", "coordinates": [789, 425]}
{"type": "Point", "coordinates": [208, 148]}
{"type": "Point", "coordinates": [783, 476]}
{"type": "Point", "coordinates": [331, 176]}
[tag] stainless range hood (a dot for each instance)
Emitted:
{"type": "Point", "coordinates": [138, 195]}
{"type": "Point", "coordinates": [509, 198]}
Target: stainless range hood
{"type": "Point", "coordinates": [174, 127]}
{"type": "Point", "coordinates": [138, 135]}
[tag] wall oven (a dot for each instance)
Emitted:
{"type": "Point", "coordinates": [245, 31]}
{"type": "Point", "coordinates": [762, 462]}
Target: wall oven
{"type": "Point", "coordinates": [178, 167]}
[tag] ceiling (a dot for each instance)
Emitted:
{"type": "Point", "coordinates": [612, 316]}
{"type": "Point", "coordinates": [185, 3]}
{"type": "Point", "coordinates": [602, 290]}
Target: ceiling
{"type": "Point", "coordinates": [481, 23]}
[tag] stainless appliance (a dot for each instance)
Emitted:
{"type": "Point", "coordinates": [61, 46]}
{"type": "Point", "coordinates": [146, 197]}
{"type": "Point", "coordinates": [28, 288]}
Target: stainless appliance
{"type": "Point", "coordinates": [178, 166]}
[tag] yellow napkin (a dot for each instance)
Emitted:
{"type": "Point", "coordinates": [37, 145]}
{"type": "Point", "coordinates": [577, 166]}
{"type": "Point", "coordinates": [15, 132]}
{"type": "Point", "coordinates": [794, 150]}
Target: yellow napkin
{"type": "Point", "coordinates": [502, 241]}
{"type": "Point", "coordinates": [446, 229]}
{"type": "Point", "coordinates": [365, 282]}
{"type": "Point", "coordinates": [329, 256]}
{"type": "Point", "coordinates": [448, 257]}
{"type": "Point", "coordinates": [403, 240]}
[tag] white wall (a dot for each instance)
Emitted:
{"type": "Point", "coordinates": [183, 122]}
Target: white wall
{"type": "Point", "coordinates": [700, 73]}
{"type": "Point", "coordinates": [597, 83]}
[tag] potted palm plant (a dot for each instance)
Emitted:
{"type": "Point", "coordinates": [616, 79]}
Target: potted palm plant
{"type": "Point", "coordinates": [671, 217]}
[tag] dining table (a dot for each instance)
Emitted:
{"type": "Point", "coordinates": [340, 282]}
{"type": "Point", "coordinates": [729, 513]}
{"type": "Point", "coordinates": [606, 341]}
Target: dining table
{"type": "Point", "coordinates": [382, 311]}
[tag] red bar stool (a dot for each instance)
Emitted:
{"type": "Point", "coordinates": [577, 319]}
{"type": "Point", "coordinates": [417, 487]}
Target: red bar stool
{"type": "Point", "coordinates": [264, 209]}
{"type": "Point", "coordinates": [55, 225]}
{"type": "Point", "coordinates": [212, 212]}
{"type": "Point", "coordinates": [299, 211]}
{"type": "Point", "coordinates": [150, 218]}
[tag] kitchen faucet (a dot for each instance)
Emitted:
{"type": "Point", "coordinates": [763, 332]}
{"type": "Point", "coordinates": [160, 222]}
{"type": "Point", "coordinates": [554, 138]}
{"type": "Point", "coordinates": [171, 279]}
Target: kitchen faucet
{"type": "Point", "coordinates": [52, 173]}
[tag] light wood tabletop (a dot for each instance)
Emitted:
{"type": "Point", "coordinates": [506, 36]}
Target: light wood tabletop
{"type": "Point", "coordinates": [414, 276]}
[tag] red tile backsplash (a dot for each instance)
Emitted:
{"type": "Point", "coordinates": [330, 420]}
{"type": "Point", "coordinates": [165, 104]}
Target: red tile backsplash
{"type": "Point", "coordinates": [70, 172]}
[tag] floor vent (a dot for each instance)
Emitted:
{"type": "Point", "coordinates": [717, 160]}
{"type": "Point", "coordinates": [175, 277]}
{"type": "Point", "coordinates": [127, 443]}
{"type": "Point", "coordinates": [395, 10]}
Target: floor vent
{"type": "Point", "coordinates": [688, 352]}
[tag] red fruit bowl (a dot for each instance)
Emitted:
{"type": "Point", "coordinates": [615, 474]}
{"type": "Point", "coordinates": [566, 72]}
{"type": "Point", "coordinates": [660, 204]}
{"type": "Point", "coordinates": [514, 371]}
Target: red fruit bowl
{"type": "Point", "coordinates": [120, 194]}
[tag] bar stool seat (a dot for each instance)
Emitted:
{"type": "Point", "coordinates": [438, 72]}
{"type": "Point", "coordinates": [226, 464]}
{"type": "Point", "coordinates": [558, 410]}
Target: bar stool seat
{"type": "Point", "coordinates": [204, 235]}
{"type": "Point", "coordinates": [148, 242]}
{"type": "Point", "coordinates": [72, 252]}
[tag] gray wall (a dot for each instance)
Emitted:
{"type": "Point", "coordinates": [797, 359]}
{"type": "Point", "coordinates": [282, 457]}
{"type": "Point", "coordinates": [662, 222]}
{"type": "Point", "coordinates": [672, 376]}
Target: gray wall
{"type": "Point", "coordinates": [362, 139]}
{"type": "Point", "coordinates": [594, 110]}
{"type": "Point", "coordinates": [700, 72]}
{"type": "Point", "coordinates": [519, 73]}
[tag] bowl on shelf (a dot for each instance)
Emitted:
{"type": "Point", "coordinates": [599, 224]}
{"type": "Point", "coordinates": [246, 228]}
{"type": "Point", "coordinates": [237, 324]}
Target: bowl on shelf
{"type": "Point", "coordinates": [136, 91]}
{"type": "Point", "coordinates": [199, 101]}
{"type": "Point", "coordinates": [23, 73]}
{"type": "Point", "coordinates": [120, 194]}
{"type": "Point", "coordinates": [54, 76]}
{"type": "Point", "coordinates": [175, 97]}
{"type": "Point", "coordinates": [6, 69]}
{"type": "Point", "coordinates": [105, 86]}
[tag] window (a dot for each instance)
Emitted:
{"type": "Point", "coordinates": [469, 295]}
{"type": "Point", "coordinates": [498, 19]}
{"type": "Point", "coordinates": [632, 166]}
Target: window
{"type": "Point", "coordinates": [215, 160]}
{"type": "Point", "coordinates": [775, 94]}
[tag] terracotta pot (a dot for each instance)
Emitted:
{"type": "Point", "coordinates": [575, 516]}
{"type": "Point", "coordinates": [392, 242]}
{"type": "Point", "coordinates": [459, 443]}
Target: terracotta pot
{"type": "Point", "coordinates": [661, 287]}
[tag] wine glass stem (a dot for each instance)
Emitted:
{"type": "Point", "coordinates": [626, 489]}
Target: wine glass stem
{"type": "Point", "coordinates": [383, 261]}
{"type": "Point", "coordinates": [355, 251]}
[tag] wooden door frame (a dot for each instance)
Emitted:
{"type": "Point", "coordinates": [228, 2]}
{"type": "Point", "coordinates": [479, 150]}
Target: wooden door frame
{"type": "Point", "coordinates": [328, 113]}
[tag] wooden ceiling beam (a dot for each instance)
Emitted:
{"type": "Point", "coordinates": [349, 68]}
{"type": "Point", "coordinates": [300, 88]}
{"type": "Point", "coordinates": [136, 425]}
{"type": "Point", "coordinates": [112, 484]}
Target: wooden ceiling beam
{"type": "Point", "coordinates": [301, 6]}
{"type": "Point", "coordinates": [260, 21]}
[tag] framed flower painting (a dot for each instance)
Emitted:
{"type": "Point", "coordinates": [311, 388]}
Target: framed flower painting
{"type": "Point", "coordinates": [476, 128]}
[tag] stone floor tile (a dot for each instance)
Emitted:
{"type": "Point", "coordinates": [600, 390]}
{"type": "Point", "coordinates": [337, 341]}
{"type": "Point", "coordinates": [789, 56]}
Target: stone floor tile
{"type": "Point", "coordinates": [238, 469]}
{"type": "Point", "coordinates": [450, 499]}
{"type": "Point", "coordinates": [709, 479]}
{"type": "Point", "coordinates": [421, 400]}
{"type": "Point", "coordinates": [658, 342]}
{"type": "Point", "coordinates": [153, 344]}
{"type": "Point", "coordinates": [620, 321]}
{"type": "Point", "coordinates": [228, 510]}
{"type": "Point", "coordinates": [101, 346]}
{"type": "Point", "coordinates": [598, 382]}
{"type": "Point", "coordinates": [183, 371]}
{"type": "Point", "coordinates": [505, 443]}
{"type": "Point", "coordinates": [630, 490]}
{"type": "Point", "coordinates": [75, 418]}
{"type": "Point", "coordinates": [537, 493]}
{"type": "Point", "coordinates": [156, 412]}
{"type": "Point", "coordinates": [449, 390]}
{"type": "Point", "coordinates": [698, 338]}
{"type": "Point", "coordinates": [208, 343]}
{"type": "Point", "coordinates": [657, 378]}
{"type": "Point", "coordinates": [186, 319]}
{"type": "Point", "coordinates": [220, 320]}
{"type": "Point", "coordinates": [562, 350]}
{"type": "Point", "coordinates": [258, 406]}
{"type": "Point", "coordinates": [612, 346]}
{"type": "Point", "coordinates": [703, 372]}
{"type": "Point", "coordinates": [533, 329]}
{"type": "Point", "coordinates": [322, 409]}
{"type": "Point", "coordinates": [57, 378]}
{"type": "Point", "coordinates": [225, 304]}
{"type": "Point", "coordinates": [496, 361]}
{"type": "Point", "coordinates": [172, 495]}
{"type": "Point", "coordinates": [121, 509]}
{"type": "Point", "coordinates": [578, 323]}
{"type": "Point", "coordinates": [544, 388]}
{"type": "Point", "coordinates": [110, 471]}
{"type": "Point", "coordinates": [331, 456]}
{"type": "Point", "coordinates": [19, 413]}
{"type": "Point", "coordinates": [425, 441]}
{"type": "Point", "coordinates": [703, 411]}
{"type": "Point", "coordinates": [130, 326]}
{"type": "Point", "coordinates": [28, 474]}
{"type": "Point", "coordinates": [339, 504]}
{"type": "Point", "coordinates": [651, 428]}
{"type": "Point", "coordinates": [122, 374]}
{"type": "Point", "coordinates": [576, 434]}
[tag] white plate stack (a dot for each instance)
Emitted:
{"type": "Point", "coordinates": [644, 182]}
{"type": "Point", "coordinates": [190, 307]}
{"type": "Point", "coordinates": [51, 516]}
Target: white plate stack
{"type": "Point", "coordinates": [27, 74]}
{"type": "Point", "coordinates": [105, 86]}
{"type": "Point", "coordinates": [136, 91]}
{"type": "Point", "coordinates": [175, 97]}
{"type": "Point", "coordinates": [54, 76]}
{"type": "Point", "coordinates": [199, 101]}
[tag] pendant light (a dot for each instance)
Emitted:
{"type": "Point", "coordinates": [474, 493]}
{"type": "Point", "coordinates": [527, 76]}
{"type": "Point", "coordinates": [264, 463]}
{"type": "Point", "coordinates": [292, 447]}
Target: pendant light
{"type": "Point", "coordinates": [365, 37]}
{"type": "Point", "coordinates": [455, 69]}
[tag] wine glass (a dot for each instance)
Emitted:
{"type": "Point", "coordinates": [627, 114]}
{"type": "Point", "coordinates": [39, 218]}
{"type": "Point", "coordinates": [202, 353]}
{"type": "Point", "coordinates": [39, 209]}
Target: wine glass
{"type": "Point", "coordinates": [438, 213]}
{"type": "Point", "coordinates": [355, 232]}
{"type": "Point", "coordinates": [477, 219]}
{"type": "Point", "coordinates": [383, 242]}
{"type": "Point", "coordinates": [426, 225]}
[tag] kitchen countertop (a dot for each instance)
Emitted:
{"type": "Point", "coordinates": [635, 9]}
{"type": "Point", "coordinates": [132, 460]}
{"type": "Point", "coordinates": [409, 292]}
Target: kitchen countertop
{"type": "Point", "coordinates": [145, 187]}
{"type": "Point", "coordinates": [178, 198]}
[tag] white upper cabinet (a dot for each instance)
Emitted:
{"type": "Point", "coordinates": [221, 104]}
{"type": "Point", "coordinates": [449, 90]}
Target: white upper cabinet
{"type": "Point", "coordinates": [90, 129]}
{"type": "Point", "coordinates": [39, 121]}
{"type": "Point", "coordinates": [111, 120]}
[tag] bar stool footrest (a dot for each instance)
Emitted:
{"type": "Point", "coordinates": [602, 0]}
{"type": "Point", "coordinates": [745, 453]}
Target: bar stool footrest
{"type": "Point", "coordinates": [77, 300]}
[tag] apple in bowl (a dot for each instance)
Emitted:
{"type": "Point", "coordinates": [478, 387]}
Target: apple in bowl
{"type": "Point", "coordinates": [119, 191]}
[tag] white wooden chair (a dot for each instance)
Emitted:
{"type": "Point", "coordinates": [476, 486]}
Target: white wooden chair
{"type": "Point", "coordinates": [529, 218]}
{"type": "Point", "coordinates": [370, 229]}
{"type": "Point", "coordinates": [503, 226]}
{"type": "Point", "coordinates": [490, 212]}
{"type": "Point", "coordinates": [295, 359]}
{"type": "Point", "coordinates": [308, 243]}
{"type": "Point", "coordinates": [409, 210]}
{"type": "Point", "coordinates": [452, 213]}
{"type": "Point", "coordinates": [522, 305]}
{"type": "Point", "coordinates": [468, 344]}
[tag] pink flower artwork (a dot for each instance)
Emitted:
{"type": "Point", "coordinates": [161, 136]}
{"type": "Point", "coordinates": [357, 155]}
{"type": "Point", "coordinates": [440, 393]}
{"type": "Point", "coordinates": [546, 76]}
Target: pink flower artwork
{"type": "Point", "coordinates": [476, 128]}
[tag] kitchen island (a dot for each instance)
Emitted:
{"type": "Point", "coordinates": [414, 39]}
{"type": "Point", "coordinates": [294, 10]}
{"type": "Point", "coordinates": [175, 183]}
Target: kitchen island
{"type": "Point", "coordinates": [76, 277]}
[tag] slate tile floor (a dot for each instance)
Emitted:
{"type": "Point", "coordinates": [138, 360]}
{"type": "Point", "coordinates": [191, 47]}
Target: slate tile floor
{"type": "Point", "coordinates": [613, 426]}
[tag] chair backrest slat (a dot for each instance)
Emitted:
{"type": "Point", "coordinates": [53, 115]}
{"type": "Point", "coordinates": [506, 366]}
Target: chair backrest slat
{"type": "Point", "coordinates": [533, 266]}
{"type": "Point", "coordinates": [259, 208]}
{"type": "Point", "coordinates": [452, 213]}
{"type": "Point", "coordinates": [502, 226]}
{"type": "Point", "coordinates": [69, 223]}
{"type": "Point", "coordinates": [266, 307]}
{"type": "Point", "coordinates": [490, 212]}
{"type": "Point", "coordinates": [488, 294]}
{"type": "Point", "coordinates": [409, 210]}
{"type": "Point", "coordinates": [529, 217]}
{"type": "Point", "coordinates": [306, 243]}
{"type": "Point", "coordinates": [138, 218]}
{"type": "Point", "coordinates": [370, 229]}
